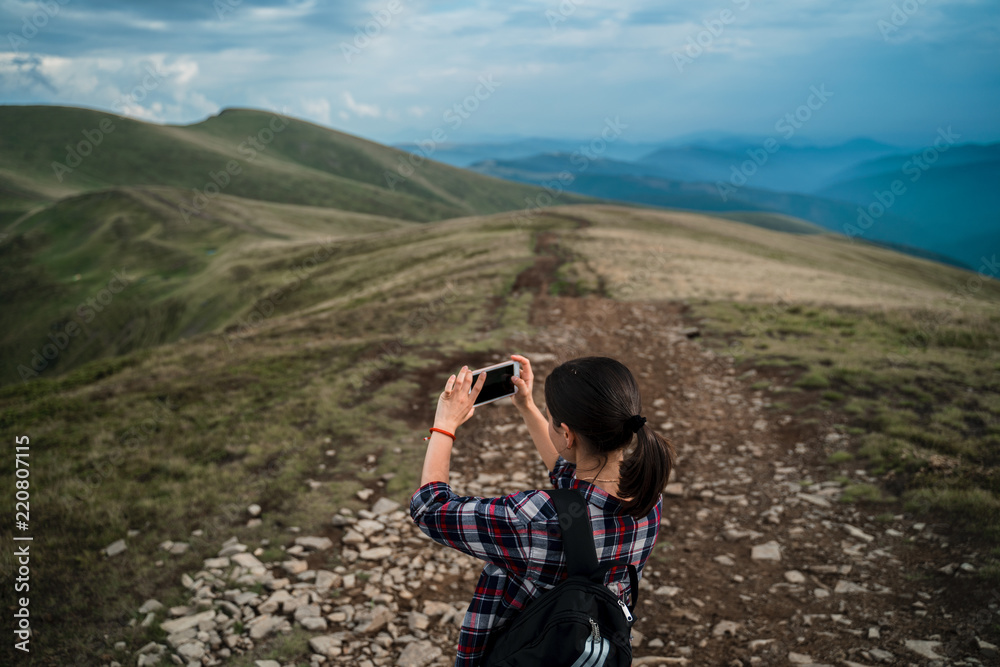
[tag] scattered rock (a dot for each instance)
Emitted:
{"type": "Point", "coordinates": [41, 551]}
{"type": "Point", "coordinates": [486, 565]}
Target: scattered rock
{"type": "Point", "coordinates": [418, 654]}
{"type": "Point", "coordinates": [115, 548]}
{"type": "Point", "coordinates": [767, 551]}
{"type": "Point", "coordinates": [924, 648]}
{"type": "Point", "coordinates": [722, 628]}
{"type": "Point", "coordinates": [795, 577]}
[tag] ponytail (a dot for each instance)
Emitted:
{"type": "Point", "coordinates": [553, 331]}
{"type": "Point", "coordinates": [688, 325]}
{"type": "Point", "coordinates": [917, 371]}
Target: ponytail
{"type": "Point", "coordinates": [598, 398]}
{"type": "Point", "coordinates": [645, 472]}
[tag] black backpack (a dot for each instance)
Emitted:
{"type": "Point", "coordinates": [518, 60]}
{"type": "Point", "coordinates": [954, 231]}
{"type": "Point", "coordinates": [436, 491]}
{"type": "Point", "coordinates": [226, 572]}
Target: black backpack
{"type": "Point", "coordinates": [579, 622]}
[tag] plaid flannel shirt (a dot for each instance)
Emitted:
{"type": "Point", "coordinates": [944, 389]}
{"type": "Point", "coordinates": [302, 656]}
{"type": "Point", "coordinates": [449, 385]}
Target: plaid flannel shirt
{"type": "Point", "coordinates": [517, 536]}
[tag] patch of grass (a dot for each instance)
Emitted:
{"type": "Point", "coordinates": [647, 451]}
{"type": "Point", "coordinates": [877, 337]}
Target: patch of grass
{"type": "Point", "coordinates": [864, 493]}
{"type": "Point", "coordinates": [840, 457]}
{"type": "Point", "coordinates": [760, 385]}
{"type": "Point", "coordinates": [813, 380]}
{"type": "Point", "coordinates": [885, 517]}
{"type": "Point", "coordinates": [970, 505]}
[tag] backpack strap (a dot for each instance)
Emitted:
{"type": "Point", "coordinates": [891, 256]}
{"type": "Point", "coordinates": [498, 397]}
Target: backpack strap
{"type": "Point", "coordinates": [577, 535]}
{"type": "Point", "coordinates": [578, 541]}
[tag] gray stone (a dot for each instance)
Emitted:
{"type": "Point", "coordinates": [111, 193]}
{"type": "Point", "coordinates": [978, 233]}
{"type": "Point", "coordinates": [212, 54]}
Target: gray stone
{"type": "Point", "coordinates": [722, 628]}
{"type": "Point", "coordinates": [272, 603]}
{"type": "Point", "coordinates": [378, 553]}
{"type": "Point", "coordinates": [180, 624]}
{"type": "Point", "coordinates": [384, 506]}
{"type": "Point", "coordinates": [325, 580]}
{"type": "Point", "coordinates": [263, 625]}
{"type": "Point", "coordinates": [849, 587]}
{"type": "Point", "coordinates": [115, 548]}
{"type": "Point", "coordinates": [819, 501]}
{"type": "Point", "coordinates": [250, 562]}
{"type": "Point", "coordinates": [315, 543]}
{"type": "Point", "coordinates": [767, 551]}
{"type": "Point", "coordinates": [295, 566]}
{"type": "Point", "coordinates": [327, 645]}
{"type": "Point", "coordinates": [924, 648]}
{"type": "Point", "coordinates": [313, 623]}
{"type": "Point", "coordinates": [307, 610]}
{"type": "Point", "coordinates": [253, 510]}
{"type": "Point", "coordinates": [795, 577]}
{"type": "Point", "coordinates": [418, 654]}
{"type": "Point", "coordinates": [150, 605]}
{"type": "Point", "coordinates": [192, 651]}
{"type": "Point", "coordinates": [880, 655]}
{"type": "Point", "coordinates": [858, 533]}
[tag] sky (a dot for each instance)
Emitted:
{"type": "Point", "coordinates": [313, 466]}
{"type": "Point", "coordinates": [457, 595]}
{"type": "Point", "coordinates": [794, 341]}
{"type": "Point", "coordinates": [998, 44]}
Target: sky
{"type": "Point", "coordinates": [399, 70]}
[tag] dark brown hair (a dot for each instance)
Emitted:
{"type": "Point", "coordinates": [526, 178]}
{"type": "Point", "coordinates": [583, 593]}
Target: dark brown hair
{"type": "Point", "coordinates": [595, 396]}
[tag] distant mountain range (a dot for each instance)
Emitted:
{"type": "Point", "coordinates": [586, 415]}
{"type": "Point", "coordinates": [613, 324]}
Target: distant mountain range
{"type": "Point", "coordinates": [940, 201]}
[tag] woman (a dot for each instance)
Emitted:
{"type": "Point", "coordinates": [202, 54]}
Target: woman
{"type": "Point", "coordinates": [592, 416]}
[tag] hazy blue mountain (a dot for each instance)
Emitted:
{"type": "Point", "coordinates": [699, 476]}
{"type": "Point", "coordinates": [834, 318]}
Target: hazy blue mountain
{"type": "Point", "coordinates": [951, 197]}
{"type": "Point", "coordinates": [466, 154]}
{"type": "Point", "coordinates": [915, 228]}
{"type": "Point", "coordinates": [774, 164]}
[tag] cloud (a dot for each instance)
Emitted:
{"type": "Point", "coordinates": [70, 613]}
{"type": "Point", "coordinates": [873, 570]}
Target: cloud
{"type": "Point", "coordinates": [317, 110]}
{"type": "Point", "coordinates": [361, 110]}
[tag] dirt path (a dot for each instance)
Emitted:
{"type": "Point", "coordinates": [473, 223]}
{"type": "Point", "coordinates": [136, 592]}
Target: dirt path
{"type": "Point", "coordinates": [835, 583]}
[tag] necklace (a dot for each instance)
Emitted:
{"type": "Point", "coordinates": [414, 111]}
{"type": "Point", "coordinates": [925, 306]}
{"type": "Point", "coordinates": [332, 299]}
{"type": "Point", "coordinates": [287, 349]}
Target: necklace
{"type": "Point", "coordinates": [598, 479]}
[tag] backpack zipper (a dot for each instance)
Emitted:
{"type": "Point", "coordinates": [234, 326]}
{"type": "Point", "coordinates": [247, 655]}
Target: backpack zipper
{"type": "Point", "coordinates": [595, 632]}
{"type": "Point", "coordinates": [628, 614]}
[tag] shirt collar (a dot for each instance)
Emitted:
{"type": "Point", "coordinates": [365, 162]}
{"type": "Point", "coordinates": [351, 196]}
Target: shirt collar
{"type": "Point", "coordinates": [595, 494]}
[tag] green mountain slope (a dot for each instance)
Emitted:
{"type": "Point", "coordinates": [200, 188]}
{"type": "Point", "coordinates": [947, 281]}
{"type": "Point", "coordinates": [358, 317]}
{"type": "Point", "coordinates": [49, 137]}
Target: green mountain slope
{"type": "Point", "coordinates": [47, 152]}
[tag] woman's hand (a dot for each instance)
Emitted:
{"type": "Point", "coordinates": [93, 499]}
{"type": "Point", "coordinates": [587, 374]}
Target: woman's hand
{"type": "Point", "coordinates": [455, 404]}
{"type": "Point", "coordinates": [523, 399]}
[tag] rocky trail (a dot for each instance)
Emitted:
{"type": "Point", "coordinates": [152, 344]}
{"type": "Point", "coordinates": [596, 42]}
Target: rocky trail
{"type": "Point", "coordinates": [758, 561]}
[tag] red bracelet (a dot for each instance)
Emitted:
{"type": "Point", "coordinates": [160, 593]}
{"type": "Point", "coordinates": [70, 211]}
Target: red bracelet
{"type": "Point", "coordinates": [441, 430]}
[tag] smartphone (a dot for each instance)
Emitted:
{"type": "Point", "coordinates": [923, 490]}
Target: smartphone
{"type": "Point", "coordinates": [498, 381]}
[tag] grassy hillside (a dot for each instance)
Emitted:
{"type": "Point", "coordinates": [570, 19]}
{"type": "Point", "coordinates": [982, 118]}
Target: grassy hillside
{"type": "Point", "coordinates": [270, 157]}
{"type": "Point", "coordinates": [183, 437]}
{"type": "Point", "coordinates": [206, 221]}
{"type": "Point", "coordinates": [58, 270]}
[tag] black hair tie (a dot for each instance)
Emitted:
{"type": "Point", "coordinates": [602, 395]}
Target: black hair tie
{"type": "Point", "coordinates": [635, 422]}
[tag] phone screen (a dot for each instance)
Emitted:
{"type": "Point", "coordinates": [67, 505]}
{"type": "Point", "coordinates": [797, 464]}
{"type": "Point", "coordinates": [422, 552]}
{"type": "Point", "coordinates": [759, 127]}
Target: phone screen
{"type": "Point", "coordinates": [498, 383]}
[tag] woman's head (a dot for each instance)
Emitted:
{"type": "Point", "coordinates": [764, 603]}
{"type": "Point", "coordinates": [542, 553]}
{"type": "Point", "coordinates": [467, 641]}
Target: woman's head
{"type": "Point", "coordinates": [595, 397]}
